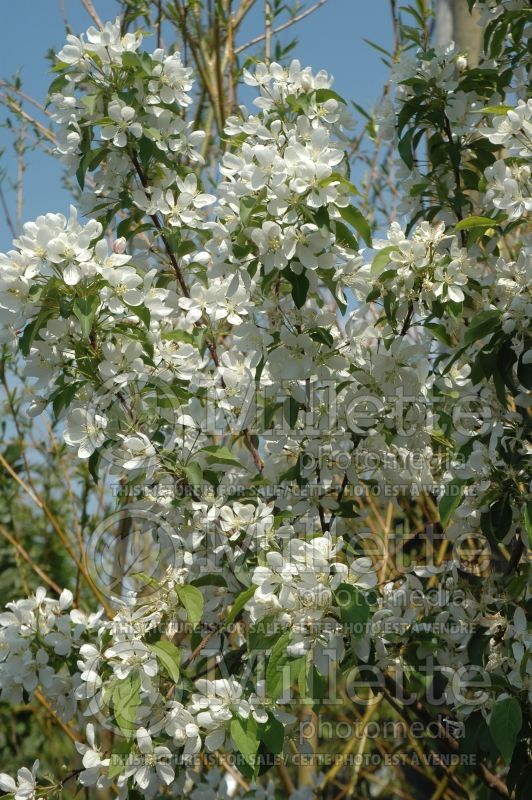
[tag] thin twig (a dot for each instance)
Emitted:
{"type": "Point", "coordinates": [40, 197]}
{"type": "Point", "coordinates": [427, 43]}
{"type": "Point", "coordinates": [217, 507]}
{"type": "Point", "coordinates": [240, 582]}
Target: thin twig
{"type": "Point", "coordinates": [391, 692]}
{"type": "Point", "coordinates": [64, 15]}
{"type": "Point", "coordinates": [7, 215]}
{"type": "Point", "coordinates": [282, 27]}
{"type": "Point", "coordinates": [395, 25]}
{"type": "Point", "coordinates": [30, 491]}
{"type": "Point", "coordinates": [158, 22]}
{"type": "Point", "coordinates": [233, 772]}
{"type": "Point", "coordinates": [360, 749]}
{"type": "Point", "coordinates": [20, 150]}
{"type": "Point", "coordinates": [26, 556]}
{"type": "Point", "coordinates": [27, 97]}
{"type": "Point", "coordinates": [267, 31]}
{"type": "Point", "coordinates": [17, 109]}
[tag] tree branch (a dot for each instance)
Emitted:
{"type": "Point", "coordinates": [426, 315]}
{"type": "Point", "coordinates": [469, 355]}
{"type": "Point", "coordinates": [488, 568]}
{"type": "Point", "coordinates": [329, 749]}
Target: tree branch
{"type": "Point", "coordinates": [282, 27]}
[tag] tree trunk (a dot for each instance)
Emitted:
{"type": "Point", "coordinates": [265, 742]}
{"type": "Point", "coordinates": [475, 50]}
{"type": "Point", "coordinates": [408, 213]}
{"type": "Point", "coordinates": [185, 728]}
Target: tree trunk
{"type": "Point", "coordinates": [454, 22]}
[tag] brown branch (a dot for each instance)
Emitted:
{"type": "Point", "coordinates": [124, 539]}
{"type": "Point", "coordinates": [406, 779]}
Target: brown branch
{"type": "Point", "coordinates": [156, 221]}
{"type": "Point", "coordinates": [285, 778]}
{"type": "Point", "coordinates": [72, 735]}
{"type": "Point", "coordinates": [457, 178]}
{"type": "Point", "coordinates": [218, 70]}
{"type": "Point", "coordinates": [232, 771]}
{"type": "Point", "coordinates": [181, 280]}
{"type": "Point", "coordinates": [197, 650]}
{"type": "Point", "coordinates": [91, 11]}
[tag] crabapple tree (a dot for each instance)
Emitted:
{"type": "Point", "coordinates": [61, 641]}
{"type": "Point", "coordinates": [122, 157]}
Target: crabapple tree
{"type": "Point", "coordinates": [311, 420]}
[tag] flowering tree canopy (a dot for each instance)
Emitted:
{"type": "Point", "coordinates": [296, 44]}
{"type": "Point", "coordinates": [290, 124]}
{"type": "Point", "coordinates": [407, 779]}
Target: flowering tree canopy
{"type": "Point", "coordinates": [315, 438]}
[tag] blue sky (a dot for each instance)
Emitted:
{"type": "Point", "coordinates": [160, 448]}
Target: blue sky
{"type": "Point", "coordinates": [332, 39]}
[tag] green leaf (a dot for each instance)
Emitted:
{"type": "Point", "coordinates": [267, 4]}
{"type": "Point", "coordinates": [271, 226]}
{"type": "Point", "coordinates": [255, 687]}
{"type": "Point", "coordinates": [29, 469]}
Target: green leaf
{"type": "Point", "coordinates": [273, 735]}
{"type": "Point", "coordinates": [168, 656]}
{"type": "Point", "coordinates": [119, 759]}
{"type": "Point", "coordinates": [193, 474]}
{"type": "Point", "coordinates": [93, 464]}
{"type": "Point", "coordinates": [221, 455]}
{"type": "Point", "coordinates": [474, 222]}
{"type": "Point", "coordinates": [321, 218]}
{"type": "Point", "coordinates": [210, 580]}
{"type": "Point", "coordinates": [245, 736]}
{"type": "Point", "coordinates": [335, 177]}
{"type": "Point", "coordinates": [524, 372]}
{"type": "Point", "coordinates": [141, 312]}
{"type": "Point", "coordinates": [439, 332]}
{"type": "Point", "coordinates": [405, 148]}
{"type": "Point", "coordinates": [527, 519]}
{"type": "Point", "coordinates": [297, 104]}
{"type": "Point", "coordinates": [354, 608]}
{"type": "Point", "coordinates": [520, 762]}
{"type": "Point", "coordinates": [317, 684]}
{"type": "Point", "coordinates": [344, 236]}
{"type": "Point", "coordinates": [89, 101]}
{"type": "Point", "coordinates": [117, 765]}
{"type": "Point", "coordinates": [322, 95]}
{"type": "Point", "coordinates": [481, 325]}
{"type": "Point", "coordinates": [500, 518]}
{"type": "Point", "coordinates": [126, 700]}
{"type": "Point", "coordinates": [355, 218]}
{"type": "Point", "coordinates": [450, 500]}
{"type": "Point", "coordinates": [185, 248]}
{"type": "Point", "coordinates": [505, 723]}
{"type": "Point", "coordinates": [264, 634]}
{"type": "Point", "coordinates": [321, 335]}
{"type": "Point", "coordinates": [327, 278]}
{"type": "Point", "coordinates": [131, 60]}
{"type": "Point", "coordinates": [382, 259]}
{"type": "Point", "coordinates": [239, 604]}
{"type": "Point", "coordinates": [31, 330]}
{"type": "Point", "coordinates": [85, 309]}
{"type": "Point", "coordinates": [64, 396]}
{"type": "Point", "coordinates": [147, 579]}
{"type": "Point", "coordinates": [291, 412]}
{"type": "Point", "coordinates": [477, 737]}
{"type": "Point", "coordinates": [247, 205]}
{"type": "Point", "coordinates": [276, 670]}
{"type": "Point", "coordinates": [495, 110]}
{"type": "Point", "coordinates": [346, 510]}
{"type": "Point", "coordinates": [301, 677]}
{"type": "Point", "coordinates": [90, 158]}
{"type": "Point", "coordinates": [192, 600]}
{"type": "Point", "coordinates": [300, 286]}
